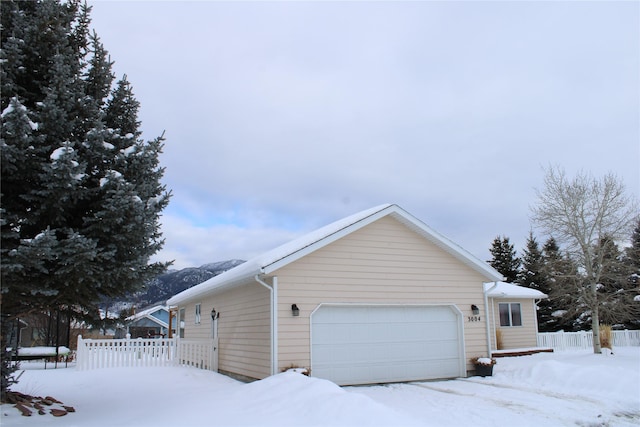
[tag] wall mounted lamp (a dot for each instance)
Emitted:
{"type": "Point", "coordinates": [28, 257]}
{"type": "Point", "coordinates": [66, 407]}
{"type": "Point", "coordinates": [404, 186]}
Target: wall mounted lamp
{"type": "Point", "coordinates": [295, 311]}
{"type": "Point", "coordinates": [475, 310]}
{"type": "Point", "coordinates": [214, 314]}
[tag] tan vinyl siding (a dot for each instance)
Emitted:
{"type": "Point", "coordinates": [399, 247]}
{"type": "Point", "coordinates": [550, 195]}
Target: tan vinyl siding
{"type": "Point", "coordinates": [524, 336]}
{"type": "Point", "coordinates": [382, 263]}
{"type": "Point", "coordinates": [243, 329]}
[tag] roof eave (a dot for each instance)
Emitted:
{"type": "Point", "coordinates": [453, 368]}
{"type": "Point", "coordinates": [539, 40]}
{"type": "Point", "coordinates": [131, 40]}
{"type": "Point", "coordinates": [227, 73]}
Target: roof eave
{"type": "Point", "coordinates": [543, 296]}
{"type": "Point", "coordinates": [196, 294]}
{"type": "Point", "coordinates": [412, 222]}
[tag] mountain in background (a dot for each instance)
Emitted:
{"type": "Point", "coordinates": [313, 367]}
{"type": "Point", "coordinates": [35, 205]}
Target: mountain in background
{"type": "Point", "coordinates": [163, 287]}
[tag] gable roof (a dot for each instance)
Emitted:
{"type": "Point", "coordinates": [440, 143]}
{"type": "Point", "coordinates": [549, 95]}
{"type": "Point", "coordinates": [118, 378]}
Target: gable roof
{"type": "Point", "coordinates": [283, 255]}
{"type": "Point", "coordinates": [510, 290]}
{"type": "Point", "coordinates": [149, 314]}
{"type": "Point", "coordinates": [148, 311]}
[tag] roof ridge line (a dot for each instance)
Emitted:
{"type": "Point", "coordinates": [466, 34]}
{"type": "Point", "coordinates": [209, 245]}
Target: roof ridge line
{"type": "Point", "coordinates": [383, 207]}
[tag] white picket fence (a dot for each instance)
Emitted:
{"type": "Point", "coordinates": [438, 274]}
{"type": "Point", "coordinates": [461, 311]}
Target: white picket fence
{"type": "Point", "coordinates": [196, 353]}
{"type": "Point", "coordinates": [561, 340]}
{"type": "Point", "coordinates": [144, 352]}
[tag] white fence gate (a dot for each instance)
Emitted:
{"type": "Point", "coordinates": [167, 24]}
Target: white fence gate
{"type": "Point", "coordinates": [584, 339]}
{"type": "Point", "coordinates": [200, 354]}
{"type": "Point", "coordinates": [143, 352]}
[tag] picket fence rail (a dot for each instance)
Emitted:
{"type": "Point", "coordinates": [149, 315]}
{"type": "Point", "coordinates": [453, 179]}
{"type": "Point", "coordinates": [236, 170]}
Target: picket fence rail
{"type": "Point", "coordinates": [143, 352]}
{"type": "Point", "coordinates": [561, 340]}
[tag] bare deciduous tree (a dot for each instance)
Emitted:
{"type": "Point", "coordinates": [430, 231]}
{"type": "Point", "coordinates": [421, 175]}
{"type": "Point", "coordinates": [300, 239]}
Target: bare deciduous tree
{"type": "Point", "coordinates": [578, 213]}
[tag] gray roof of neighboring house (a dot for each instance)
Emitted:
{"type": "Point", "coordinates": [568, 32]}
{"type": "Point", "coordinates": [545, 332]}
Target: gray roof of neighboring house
{"type": "Point", "coordinates": [148, 315]}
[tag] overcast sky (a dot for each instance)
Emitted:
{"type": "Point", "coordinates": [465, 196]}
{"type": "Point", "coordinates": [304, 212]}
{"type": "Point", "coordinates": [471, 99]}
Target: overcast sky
{"type": "Point", "coordinates": [281, 117]}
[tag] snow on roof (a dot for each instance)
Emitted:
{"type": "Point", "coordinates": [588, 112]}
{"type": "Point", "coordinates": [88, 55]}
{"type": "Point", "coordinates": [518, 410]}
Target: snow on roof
{"type": "Point", "coordinates": [509, 290]}
{"type": "Point", "coordinates": [147, 312]}
{"type": "Point", "coordinates": [304, 245]}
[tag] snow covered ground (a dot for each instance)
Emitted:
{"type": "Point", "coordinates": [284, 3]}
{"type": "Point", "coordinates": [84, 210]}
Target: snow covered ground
{"type": "Point", "coordinates": [548, 389]}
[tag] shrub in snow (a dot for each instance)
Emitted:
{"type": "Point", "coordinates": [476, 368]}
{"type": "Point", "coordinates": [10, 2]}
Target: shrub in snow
{"type": "Point", "coordinates": [488, 361]}
{"type": "Point", "coordinates": [606, 340]}
{"type": "Point", "coordinates": [499, 343]}
{"type": "Point", "coordinates": [297, 369]}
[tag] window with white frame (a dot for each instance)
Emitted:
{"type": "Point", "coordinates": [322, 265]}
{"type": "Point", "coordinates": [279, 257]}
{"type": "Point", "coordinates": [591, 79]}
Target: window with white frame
{"type": "Point", "coordinates": [510, 314]}
{"type": "Point", "coordinates": [198, 311]}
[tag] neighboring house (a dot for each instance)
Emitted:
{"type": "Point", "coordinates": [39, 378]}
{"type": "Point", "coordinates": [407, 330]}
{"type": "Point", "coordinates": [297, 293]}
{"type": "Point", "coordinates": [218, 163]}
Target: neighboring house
{"type": "Point", "coordinates": [39, 329]}
{"type": "Point", "coordinates": [376, 297]}
{"type": "Point", "coordinates": [150, 323]}
{"type": "Point", "coordinates": [513, 313]}
{"type": "Point", "coordinates": [17, 337]}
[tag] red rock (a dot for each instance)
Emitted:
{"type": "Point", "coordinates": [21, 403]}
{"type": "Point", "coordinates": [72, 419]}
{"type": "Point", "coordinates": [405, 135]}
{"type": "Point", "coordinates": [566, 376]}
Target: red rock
{"type": "Point", "coordinates": [58, 412]}
{"type": "Point", "coordinates": [25, 411]}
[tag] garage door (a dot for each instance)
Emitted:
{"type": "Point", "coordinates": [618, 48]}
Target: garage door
{"type": "Point", "coordinates": [365, 344]}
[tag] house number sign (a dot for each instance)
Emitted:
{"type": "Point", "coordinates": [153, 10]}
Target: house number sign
{"type": "Point", "coordinates": [473, 318]}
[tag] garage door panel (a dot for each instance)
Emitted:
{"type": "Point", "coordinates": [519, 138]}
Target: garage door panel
{"type": "Point", "coordinates": [369, 344]}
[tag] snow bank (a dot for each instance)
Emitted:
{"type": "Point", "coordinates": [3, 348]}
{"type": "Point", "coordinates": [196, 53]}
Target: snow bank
{"type": "Point", "coordinates": [603, 376]}
{"type": "Point", "coordinates": [295, 399]}
{"type": "Point", "coordinates": [559, 389]}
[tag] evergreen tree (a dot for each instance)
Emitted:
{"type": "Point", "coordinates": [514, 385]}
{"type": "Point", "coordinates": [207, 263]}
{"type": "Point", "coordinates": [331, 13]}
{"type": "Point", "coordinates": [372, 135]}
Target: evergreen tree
{"type": "Point", "coordinates": [504, 259]}
{"type": "Point", "coordinates": [81, 194]}
{"type": "Point", "coordinates": [632, 262]}
{"type": "Point", "coordinates": [533, 274]}
{"type": "Point", "coordinates": [632, 258]}
{"type": "Point", "coordinates": [616, 293]}
{"type": "Point", "coordinates": [561, 275]}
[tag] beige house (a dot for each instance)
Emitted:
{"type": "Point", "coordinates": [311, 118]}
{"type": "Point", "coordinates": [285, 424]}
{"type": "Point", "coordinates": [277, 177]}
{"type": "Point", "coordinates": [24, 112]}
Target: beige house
{"type": "Point", "coordinates": [376, 297]}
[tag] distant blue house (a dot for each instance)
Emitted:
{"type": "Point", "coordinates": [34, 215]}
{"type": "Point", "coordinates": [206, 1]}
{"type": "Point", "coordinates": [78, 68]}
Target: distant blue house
{"type": "Point", "coordinates": [150, 323]}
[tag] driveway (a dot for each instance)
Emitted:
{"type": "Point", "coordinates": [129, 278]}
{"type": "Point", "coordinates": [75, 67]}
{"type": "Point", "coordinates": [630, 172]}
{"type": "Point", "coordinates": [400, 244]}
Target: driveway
{"type": "Point", "coordinates": [554, 389]}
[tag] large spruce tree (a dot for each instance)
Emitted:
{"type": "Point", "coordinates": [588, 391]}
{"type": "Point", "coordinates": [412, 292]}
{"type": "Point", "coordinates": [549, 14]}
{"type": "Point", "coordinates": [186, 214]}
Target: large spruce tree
{"type": "Point", "coordinates": [81, 194]}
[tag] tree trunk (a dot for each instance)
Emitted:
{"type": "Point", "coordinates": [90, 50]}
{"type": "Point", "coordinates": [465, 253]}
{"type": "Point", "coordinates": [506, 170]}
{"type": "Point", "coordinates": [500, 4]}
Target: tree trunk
{"type": "Point", "coordinates": [595, 320]}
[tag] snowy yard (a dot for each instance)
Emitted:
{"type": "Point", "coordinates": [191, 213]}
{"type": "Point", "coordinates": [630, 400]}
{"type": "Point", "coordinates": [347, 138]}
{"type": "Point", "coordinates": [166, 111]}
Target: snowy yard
{"type": "Point", "coordinates": [563, 389]}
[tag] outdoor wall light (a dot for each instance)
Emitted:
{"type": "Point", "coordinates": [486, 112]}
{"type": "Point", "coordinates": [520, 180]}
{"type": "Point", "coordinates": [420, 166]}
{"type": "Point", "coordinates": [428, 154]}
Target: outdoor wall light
{"type": "Point", "coordinates": [475, 310]}
{"type": "Point", "coordinates": [295, 311]}
{"type": "Point", "coordinates": [214, 314]}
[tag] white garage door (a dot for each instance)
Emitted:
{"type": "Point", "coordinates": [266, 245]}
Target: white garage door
{"type": "Point", "coordinates": [365, 344]}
